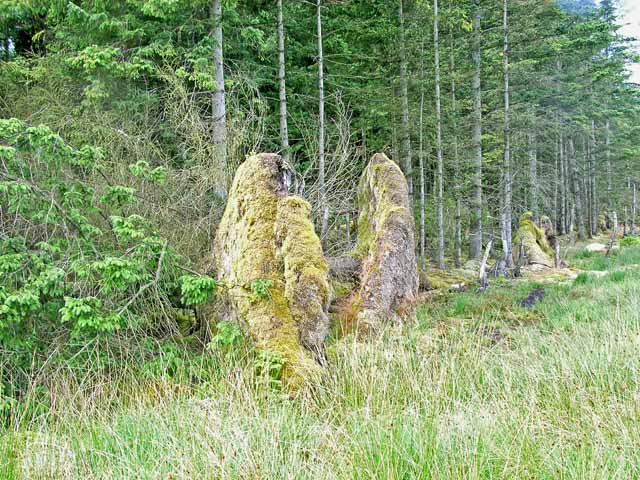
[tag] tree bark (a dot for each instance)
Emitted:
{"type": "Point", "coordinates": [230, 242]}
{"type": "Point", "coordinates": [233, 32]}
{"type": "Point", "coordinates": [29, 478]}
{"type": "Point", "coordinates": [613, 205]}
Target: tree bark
{"type": "Point", "coordinates": [577, 194]}
{"type": "Point", "coordinates": [324, 209]}
{"type": "Point", "coordinates": [404, 98]}
{"type": "Point", "coordinates": [593, 180]}
{"type": "Point", "coordinates": [421, 155]}
{"type": "Point", "coordinates": [607, 141]}
{"type": "Point", "coordinates": [533, 174]}
{"type": "Point", "coordinates": [440, 160]}
{"type": "Point", "coordinates": [506, 165]}
{"type": "Point", "coordinates": [587, 186]}
{"type": "Point", "coordinates": [218, 106]}
{"type": "Point", "coordinates": [556, 188]}
{"type": "Point", "coordinates": [284, 129]}
{"type": "Point", "coordinates": [475, 238]}
{"type": "Point", "coordinates": [457, 257]}
{"type": "Point", "coordinates": [563, 186]}
{"type": "Point", "coordinates": [634, 207]}
{"type": "Point", "coordinates": [568, 201]}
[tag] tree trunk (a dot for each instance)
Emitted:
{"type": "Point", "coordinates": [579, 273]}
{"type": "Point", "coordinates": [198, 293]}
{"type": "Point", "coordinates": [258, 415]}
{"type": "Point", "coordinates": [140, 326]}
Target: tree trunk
{"type": "Point", "coordinates": [404, 97]}
{"type": "Point", "coordinates": [457, 257]}
{"type": "Point", "coordinates": [634, 207]}
{"type": "Point", "coordinates": [589, 187]}
{"type": "Point", "coordinates": [440, 166]}
{"type": "Point", "coordinates": [593, 179]}
{"type": "Point", "coordinates": [284, 129]}
{"type": "Point", "coordinates": [556, 188]}
{"type": "Point", "coordinates": [568, 179]}
{"type": "Point", "coordinates": [607, 141]}
{"type": "Point", "coordinates": [506, 165]}
{"type": "Point", "coordinates": [533, 174]}
{"type": "Point", "coordinates": [421, 155]}
{"type": "Point", "coordinates": [577, 194]}
{"type": "Point", "coordinates": [564, 212]}
{"type": "Point", "coordinates": [475, 238]}
{"type": "Point", "coordinates": [218, 107]}
{"type": "Point", "coordinates": [324, 209]}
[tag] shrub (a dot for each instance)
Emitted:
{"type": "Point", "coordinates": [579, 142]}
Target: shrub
{"type": "Point", "coordinates": [76, 261]}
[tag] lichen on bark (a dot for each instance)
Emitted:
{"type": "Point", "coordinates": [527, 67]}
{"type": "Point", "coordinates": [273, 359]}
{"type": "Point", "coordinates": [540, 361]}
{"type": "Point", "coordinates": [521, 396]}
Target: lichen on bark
{"type": "Point", "coordinates": [385, 246]}
{"type": "Point", "coordinates": [257, 241]}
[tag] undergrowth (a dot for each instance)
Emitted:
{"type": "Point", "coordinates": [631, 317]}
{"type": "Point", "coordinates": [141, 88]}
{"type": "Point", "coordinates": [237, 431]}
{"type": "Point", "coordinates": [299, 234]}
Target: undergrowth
{"type": "Point", "coordinates": [479, 386]}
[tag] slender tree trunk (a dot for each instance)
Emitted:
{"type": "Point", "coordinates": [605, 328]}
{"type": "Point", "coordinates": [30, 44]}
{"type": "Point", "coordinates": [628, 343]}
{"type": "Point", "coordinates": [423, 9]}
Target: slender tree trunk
{"type": "Point", "coordinates": [506, 165]}
{"type": "Point", "coordinates": [607, 141]}
{"type": "Point", "coordinates": [457, 257]}
{"type": "Point", "coordinates": [587, 187]}
{"type": "Point", "coordinates": [556, 188]}
{"type": "Point", "coordinates": [563, 184]}
{"type": "Point", "coordinates": [568, 199]}
{"type": "Point", "coordinates": [475, 238]}
{"type": "Point", "coordinates": [533, 173]}
{"type": "Point", "coordinates": [625, 230]}
{"type": "Point", "coordinates": [577, 194]}
{"type": "Point", "coordinates": [593, 179]}
{"type": "Point", "coordinates": [440, 166]}
{"type": "Point", "coordinates": [395, 149]}
{"type": "Point", "coordinates": [284, 129]}
{"type": "Point", "coordinates": [218, 106]}
{"type": "Point", "coordinates": [404, 96]}
{"type": "Point", "coordinates": [421, 155]}
{"type": "Point", "coordinates": [324, 209]}
{"type": "Point", "coordinates": [634, 207]}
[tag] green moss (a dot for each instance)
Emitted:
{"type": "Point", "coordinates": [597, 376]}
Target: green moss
{"type": "Point", "coordinates": [602, 223]}
{"type": "Point", "coordinates": [306, 272]}
{"type": "Point", "coordinates": [442, 280]}
{"type": "Point", "coordinates": [534, 240]}
{"type": "Point", "coordinates": [341, 289]}
{"type": "Point", "coordinates": [185, 320]}
{"type": "Point", "coordinates": [256, 240]}
{"type": "Point", "coordinates": [385, 234]}
{"type": "Point", "coordinates": [377, 180]}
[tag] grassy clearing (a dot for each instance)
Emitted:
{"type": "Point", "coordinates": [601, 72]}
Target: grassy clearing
{"type": "Point", "coordinates": [478, 387]}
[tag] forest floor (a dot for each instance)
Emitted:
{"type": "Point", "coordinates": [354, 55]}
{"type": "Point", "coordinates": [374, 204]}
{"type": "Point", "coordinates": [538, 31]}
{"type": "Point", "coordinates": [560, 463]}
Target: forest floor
{"type": "Point", "coordinates": [528, 379]}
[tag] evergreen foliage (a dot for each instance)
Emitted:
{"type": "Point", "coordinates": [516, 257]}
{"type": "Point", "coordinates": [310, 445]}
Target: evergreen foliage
{"type": "Point", "coordinates": [111, 189]}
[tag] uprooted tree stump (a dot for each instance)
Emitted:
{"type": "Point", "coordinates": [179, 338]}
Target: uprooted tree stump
{"type": "Point", "coordinates": [385, 248]}
{"type": "Point", "coordinates": [533, 239]}
{"type": "Point", "coordinates": [265, 238]}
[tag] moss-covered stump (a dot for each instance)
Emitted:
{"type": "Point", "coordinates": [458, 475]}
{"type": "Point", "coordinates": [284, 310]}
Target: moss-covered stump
{"type": "Point", "coordinates": [265, 239]}
{"type": "Point", "coordinates": [534, 242]}
{"type": "Point", "coordinates": [602, 223]}
{"type": "Point", "coordinates": [386, 246]}
{"type": "Point", "coordinates": [306, 272]}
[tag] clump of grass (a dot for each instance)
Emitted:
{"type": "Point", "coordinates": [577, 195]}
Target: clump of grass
{"type": "Point", "coordinates": [630, 241]}
{"type": "Point", "coordinates": [582, 279]}
{"type": "Point", "coordinates": [617, 276]}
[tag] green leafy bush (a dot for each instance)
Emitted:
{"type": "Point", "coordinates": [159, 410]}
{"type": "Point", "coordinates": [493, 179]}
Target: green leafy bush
{"type": "Point", "coordinates": [228, 334]}
{"type": "Point", "coordinates": [196, 289]}
{"type": "Point", "coordinates": [76, 260]}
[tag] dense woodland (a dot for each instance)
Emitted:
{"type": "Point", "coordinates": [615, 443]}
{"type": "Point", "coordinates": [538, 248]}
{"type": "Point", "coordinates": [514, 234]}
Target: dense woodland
{"type": "Point", "coordinates": [123, 124]}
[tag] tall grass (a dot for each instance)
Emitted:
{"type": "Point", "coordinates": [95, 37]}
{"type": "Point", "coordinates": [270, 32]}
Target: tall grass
{"type": "Point", "coordinates": [477, 387]}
